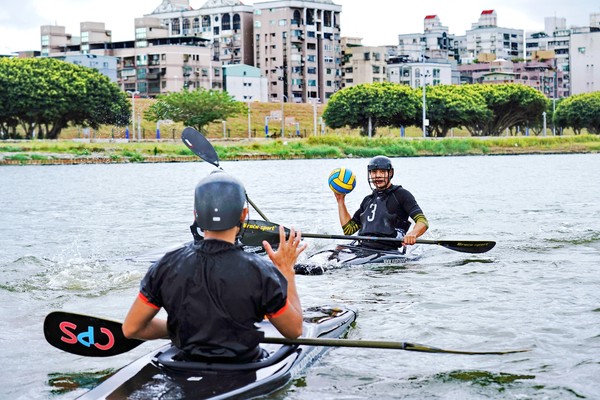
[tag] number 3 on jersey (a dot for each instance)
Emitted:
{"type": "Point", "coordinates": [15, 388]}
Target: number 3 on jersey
{"type": "Point", "coordinates": [373, 208]}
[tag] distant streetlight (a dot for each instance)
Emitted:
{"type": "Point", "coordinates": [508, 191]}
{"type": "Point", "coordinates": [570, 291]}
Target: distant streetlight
{"type": "Point", "coordinates": [424, 109]}
{"type": "Point", "coordinates": [132, 94]}
{"type": "Point", "coordinates": [424, 78]}
{"type": "Point", "coordinates": [284, 97]}
{"type": "Point", "coordinates": [249, 122]}
{"type": "Point", "coordinates": [315, 101]}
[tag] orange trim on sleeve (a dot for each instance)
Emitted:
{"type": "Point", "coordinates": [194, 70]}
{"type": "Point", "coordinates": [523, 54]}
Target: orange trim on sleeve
{"type": "Point", "coordinates": [280, 311]}
{"type": "Point", "coordinates": [147, 302]}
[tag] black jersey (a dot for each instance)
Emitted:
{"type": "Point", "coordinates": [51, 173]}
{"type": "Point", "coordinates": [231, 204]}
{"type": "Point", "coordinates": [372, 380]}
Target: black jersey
{"type": "Point", "coordinates": [214, 293]}
{"type": "Point", "coordinates": [387, 212]}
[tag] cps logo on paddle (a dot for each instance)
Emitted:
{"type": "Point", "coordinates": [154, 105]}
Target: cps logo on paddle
{"type": "Point", "coordinates": [104, 341]}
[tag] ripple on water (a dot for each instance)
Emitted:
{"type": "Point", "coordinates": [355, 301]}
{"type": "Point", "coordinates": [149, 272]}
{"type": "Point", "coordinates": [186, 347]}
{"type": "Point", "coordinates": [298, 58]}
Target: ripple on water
{"type": "Point", "coordinates": [83, 277]}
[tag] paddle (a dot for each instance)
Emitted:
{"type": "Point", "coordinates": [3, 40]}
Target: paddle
{"type": "Point", "coordinates": [256, 231]}
{"type": "Point", "coordinates": [199, 145]}
{"type": "Point", "coordinates": [89, 336]}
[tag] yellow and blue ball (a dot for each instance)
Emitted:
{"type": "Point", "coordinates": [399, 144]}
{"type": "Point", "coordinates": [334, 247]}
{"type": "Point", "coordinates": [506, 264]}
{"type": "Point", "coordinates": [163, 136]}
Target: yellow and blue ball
{"type": "Point", "coordinates": [342, 180]}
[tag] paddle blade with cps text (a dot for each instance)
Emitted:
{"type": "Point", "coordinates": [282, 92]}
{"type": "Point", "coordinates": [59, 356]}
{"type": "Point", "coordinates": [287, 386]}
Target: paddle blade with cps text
{"type": "Point", "coordinates": [85, 335]}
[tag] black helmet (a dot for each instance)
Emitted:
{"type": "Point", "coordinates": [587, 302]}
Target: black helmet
{"type": "Point", "coordinates": [380, 162]}
{"type": "Point", "coordinates": [218, 202]}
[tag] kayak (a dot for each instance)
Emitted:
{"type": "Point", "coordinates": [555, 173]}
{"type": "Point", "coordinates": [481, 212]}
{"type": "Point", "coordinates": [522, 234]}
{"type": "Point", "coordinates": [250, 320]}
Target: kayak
{"type": "Point", "coordinates": [157, 375]}
{"type": "Point", "coordinates": [333, 257]}
{"type": "Point", "coordinates": [342, 255]}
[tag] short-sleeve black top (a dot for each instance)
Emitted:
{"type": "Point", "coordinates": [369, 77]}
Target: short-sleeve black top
{"type": "Point", "coordinates": [214, 293]}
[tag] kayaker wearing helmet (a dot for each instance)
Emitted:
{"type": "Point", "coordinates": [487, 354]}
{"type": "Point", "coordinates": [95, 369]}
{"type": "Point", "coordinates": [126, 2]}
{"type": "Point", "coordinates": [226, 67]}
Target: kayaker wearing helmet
{"type": "Point", "coordinates": [386, 211]}
{"type": "Point", "coordinates": [213, 291]}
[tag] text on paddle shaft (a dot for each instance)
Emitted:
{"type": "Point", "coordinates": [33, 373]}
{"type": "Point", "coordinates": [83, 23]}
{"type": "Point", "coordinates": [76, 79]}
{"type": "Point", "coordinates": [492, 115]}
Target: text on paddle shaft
{"type": "Point", "coordinates": [86, 338]}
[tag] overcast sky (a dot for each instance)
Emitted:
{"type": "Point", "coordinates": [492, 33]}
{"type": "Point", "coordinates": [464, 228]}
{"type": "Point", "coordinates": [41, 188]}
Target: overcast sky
{"type": "Point", "coordinates": [378, 22]}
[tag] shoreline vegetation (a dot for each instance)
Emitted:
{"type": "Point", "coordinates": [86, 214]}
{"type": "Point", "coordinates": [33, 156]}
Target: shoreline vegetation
{"type": "Point", "coordinates": [96, 151]}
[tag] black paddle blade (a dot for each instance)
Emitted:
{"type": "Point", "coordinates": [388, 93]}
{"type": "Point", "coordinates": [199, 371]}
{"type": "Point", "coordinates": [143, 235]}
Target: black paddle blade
{"type": "Point", "coordinates": [196, 142]}
{"type": "Point", "coordinates": [255, 231]}
{"type": "Point", "coordinates": [86, 336]}
{"type": "Point", "coordinates": [468, 246]}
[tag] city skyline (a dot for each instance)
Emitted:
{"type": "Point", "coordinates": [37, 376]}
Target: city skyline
{"type": "Point", "coordinates": [20, 21]}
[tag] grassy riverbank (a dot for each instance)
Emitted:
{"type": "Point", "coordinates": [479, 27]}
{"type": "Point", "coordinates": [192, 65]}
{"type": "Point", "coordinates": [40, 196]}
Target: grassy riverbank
{"type": "Point", "coordinates": [114, 151]}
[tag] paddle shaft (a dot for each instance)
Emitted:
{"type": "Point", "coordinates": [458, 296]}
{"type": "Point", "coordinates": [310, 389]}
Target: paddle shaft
{"type": "Point", "coordinates": [89, 336]}
{"type": "Point", "coordinates": [200, 146]}
{"type": "Point", "coordinates": [256, 231]}
{"type": "Point", "coordinates": [373, 344]}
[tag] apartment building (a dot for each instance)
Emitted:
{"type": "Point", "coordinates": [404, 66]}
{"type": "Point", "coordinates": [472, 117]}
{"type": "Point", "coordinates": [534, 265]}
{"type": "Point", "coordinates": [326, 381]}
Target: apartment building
{"type": "Point", "coordinates": [538, 74]}
{"type": "Point", "coordinates": [297, 47]}
{"type": "Point", "coordinates": [151, 64]}
{"type": "Point", "coordinates": [584, 60]}
{"type": "Point", "coordinates": [486, 38]}
{"type": "Point", "coordinates": [226, 24]}
{"type": "Point", "coordinates": [417, 74]}
{"type": "Point", "coordinates": [245, 83]}
{"type": "Point", "coordinates": [434, 43]}
{"type": "Point", "coordinates": [363, 64]}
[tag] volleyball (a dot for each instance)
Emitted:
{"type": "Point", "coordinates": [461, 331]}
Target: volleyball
{"type": "Point", "coordinates": [342, 180]}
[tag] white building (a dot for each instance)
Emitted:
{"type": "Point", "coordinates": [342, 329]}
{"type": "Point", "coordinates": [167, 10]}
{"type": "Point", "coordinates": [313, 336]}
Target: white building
{"type": "Point", "coordinates": [486, 38]}
{"type": "Point", "coordinates": [245, 83]}
{"type": "Point", "coordinates": [106, 65]}
{"type": "Point", "coordinates": [584, 55]}
{"type": "Point", "coordinates": [414, 74]}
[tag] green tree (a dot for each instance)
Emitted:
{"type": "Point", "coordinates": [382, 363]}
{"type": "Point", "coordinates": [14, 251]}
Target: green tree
{"type": "Point", "coordinates": [511, 105]}
{"type": "Point", "coordinates": [195, 108]}
{"type": "Point", "coordinates": [579, 112]}
{"type": "Point", "coordinates": [47, 95]}
{"type": "Point", "coordinates": [383, 104]}
{"type": "Point", "coordinates": [451, 106]}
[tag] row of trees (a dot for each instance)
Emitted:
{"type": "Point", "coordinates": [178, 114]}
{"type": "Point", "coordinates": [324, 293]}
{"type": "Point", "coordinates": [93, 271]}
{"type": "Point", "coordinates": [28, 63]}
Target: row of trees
{"type": "Point", "coordinates": [45, 95]}
{"type": "Point", "coordinates": [483, 110]}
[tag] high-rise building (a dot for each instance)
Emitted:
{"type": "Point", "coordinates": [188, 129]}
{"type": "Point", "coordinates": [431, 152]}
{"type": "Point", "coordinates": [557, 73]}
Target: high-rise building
{"type": "Point", "coordinates": [297, 45]}
{"type": "Point", "coordinates": [487, 40]}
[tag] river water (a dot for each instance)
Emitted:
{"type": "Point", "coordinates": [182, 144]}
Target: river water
{"type": "Point", "coordinates": [71, 237]}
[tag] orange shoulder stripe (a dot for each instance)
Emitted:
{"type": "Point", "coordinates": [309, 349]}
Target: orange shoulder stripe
{"type": "Point", "coordinates": [147, 302]}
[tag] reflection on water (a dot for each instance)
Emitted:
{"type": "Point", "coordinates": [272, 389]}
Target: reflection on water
{"type": "Point", "coordinates": [73, 238]}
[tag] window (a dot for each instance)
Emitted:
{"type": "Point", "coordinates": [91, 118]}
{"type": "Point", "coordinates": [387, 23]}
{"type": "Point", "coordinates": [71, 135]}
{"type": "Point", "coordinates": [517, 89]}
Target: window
{"type": "Point", "coordinates": [312, 82]}
{"type": "Point", "coordinates": [140, 33]}
{"type": "Point", "coordinates": [237, 24]}
{"type": "Point", "coordinates": [310, 58]}
{"type": "Point", "coordinates": [175, 25]}
{"type": "Point", "coordinates": [581, 50]}
{"type": "Point", "coordinates": [226, 22]}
